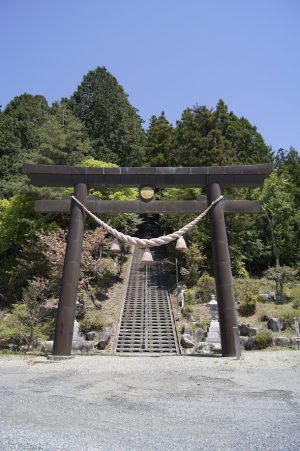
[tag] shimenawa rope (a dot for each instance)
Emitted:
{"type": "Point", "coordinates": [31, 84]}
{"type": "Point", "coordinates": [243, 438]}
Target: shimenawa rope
{"type": "Point", "coordinates": [153, 242]}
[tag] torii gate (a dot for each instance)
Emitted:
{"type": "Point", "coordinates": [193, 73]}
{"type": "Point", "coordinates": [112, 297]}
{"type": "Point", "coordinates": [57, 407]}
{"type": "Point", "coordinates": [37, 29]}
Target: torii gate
{"type": "Point", "coordinates": [211, 178]}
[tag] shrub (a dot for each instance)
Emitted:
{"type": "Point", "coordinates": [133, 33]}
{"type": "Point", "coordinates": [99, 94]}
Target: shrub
{"type": "Point", "coordinates": [92, 321]}
{"type": "Point", "coordinates": [187, 309]}
{"type": "Point", "coordinates": [108, 274]}
{"type": "Point", "coordinates": [205, 288]}
{"type": "Point", "coordinates": [263, 317]}
{"type": "Point", "coordinates": [189, 296]}
{"type": "Point", "coordinates": [288, 317]}
{"type": "Point", "coordinates": [244, 287]}
{"type": "Point", "coordinates": [295, 295]}
{"type": "Point", "coordinates": [204, 323]}
{"type": "Point", "coordinates": [263, 339]}
{"type": "Point", "coordinates": [248, 307]}
{"type": "Point", "coordinates": [8, 334]}
{"type": "Point", "coordinates": [281, 275]}
{"type": "Point", "coordinates": [193, 261]}
{"type": "Point", "coordinates": [27, 323]}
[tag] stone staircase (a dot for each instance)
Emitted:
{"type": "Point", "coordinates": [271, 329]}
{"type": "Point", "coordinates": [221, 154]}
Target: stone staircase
{"type": "Point", "coordinates": [147, 323]}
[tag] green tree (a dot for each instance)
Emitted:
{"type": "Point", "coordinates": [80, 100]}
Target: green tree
{"type": "Point", "coordinates": [18, 221]}
{"type": "Point", "coordinates": [19, 137]}
{"type": "Point", "coordinates": [112, 123]}
{"type": "Point", "coordinates": [18, 260]}
{"type": "Point", "coordinates": [199, 142]}
{"type": "Point", "coordinates": [62, 138]}
{"type": "Point", "coordinates": [193, 261]}
{"type": "Point", "coordinates": [159, 145]}
{"type": "Point", "coordinates": [27, 324]}
{"type": "Point", "coordinates": [288, 163]}
{"type": "Point", "coordinates": [216, 137]}
{"type": "Point", "coordinates": [278, 205]}
{"type": "Point", "coordinates": [29, 112]}
{"type": "Point", "coordinates": [281, 275]}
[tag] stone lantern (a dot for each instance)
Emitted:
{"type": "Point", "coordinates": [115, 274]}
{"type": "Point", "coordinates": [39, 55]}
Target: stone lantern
{"type": "Point", "coordinates": [213, 333]}
{"type": "Point", "coordinates": [213, 305]}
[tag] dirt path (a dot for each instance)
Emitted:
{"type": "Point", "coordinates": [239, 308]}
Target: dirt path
{"type": "Point", "coordinates": [151, 403]}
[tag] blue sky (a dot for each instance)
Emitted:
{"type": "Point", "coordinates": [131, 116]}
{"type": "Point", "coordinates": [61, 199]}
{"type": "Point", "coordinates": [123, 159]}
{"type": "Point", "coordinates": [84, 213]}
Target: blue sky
{"type": "Point", "coordinates": [167, 54]}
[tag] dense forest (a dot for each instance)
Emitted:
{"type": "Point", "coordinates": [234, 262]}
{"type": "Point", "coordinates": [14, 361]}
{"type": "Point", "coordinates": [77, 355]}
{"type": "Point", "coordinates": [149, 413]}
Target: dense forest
{"type": "Point", "coordinates": [98, 126]}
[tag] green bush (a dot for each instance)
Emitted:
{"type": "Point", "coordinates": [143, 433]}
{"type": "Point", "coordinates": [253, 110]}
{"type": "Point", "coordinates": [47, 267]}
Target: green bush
{"type": "Point", "coordinates": [92, 321]}
{"type": "Point", "coordinates": [193, 261]}
{"type": "Point", "coordinates": [295, 295]}
{"type": "Point", "coordinates": [8, 334]}
{"type": "Point", "coordinates": [263, 317]}
{"type": "Point", "coordinates": [248, 306]}
{"type": "Point", "coordinates": [107, 276]}
{"type": "Point", "coordinates": [244, 287]}
{"type": "Point", "coordinates": [204, 323]}
{"type": "Point", "coordinates": [187, 309]}
{"type": "Point", "coordinates": [288, 316]}
{"type": "Point", "coordinates": [263, 339]}
{"type": "Point", "coordinates": [205, 288]}
{"type": "Point", "coordinates": [189, 296]}
{"type": "Point", "coordinates": [30, 322]}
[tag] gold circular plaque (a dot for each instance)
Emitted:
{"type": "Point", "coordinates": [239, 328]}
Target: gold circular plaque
{"type": "Point", "coordinates": [147, 192]}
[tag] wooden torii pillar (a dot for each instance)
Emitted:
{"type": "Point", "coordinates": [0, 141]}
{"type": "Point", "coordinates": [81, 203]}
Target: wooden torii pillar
{"type": "Point", "coordinates": [211, 178]}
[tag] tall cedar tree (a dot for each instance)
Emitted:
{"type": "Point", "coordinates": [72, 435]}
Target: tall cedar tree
{"type": "Point", "coordinates": [112, 123]}
{"type": "Point", "coordinates": [205, 138]}
{"type": "Point", "coordinates": [159, 141]}
{"type": "Point", "coordinates": [19, 125]}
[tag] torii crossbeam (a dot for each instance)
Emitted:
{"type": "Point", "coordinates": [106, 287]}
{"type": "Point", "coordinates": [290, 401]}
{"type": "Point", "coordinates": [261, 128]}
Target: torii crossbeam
{"type": "Point", "coordinates": [82, 178]}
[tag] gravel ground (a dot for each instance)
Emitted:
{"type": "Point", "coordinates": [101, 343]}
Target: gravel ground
{"type": "Point", "coordinates": [151, 403]}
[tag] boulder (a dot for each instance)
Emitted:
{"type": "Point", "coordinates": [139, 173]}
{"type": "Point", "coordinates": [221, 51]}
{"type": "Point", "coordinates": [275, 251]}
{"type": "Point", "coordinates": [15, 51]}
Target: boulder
{"type": "Point", "coordinates": [276, 324]}
{"type": "Point", "coordinates": [90, 336]}
{"type": "Point", "coordinates": [247, 331]}
{"type": "Point", "coordinates": [82, 346]}
{"type": "Point", "coordinates": [48, 346]}
{"type": "Point", "coordinates": [265, 297]}
{"type": "Point", "coordinates": [23, 348]}
{"type": "Point", "coordinates": [187, 341]}
{"type": "Point", "coordinates": [187, 315]}
{"type": "Point", "coordinates": [250, 344]}
{"type": "Point", "coordinates": [243, 340]}
{"type": "Point", "coordinates": [187, 330]}
{"type": "Point", "coordinates": [104, 340]}
{"type": "Point", "coordinates": [207, 348]}
{"type": "Point", "coordinates": [198, 335]}
{"type": "Point", "coordinates": [215, 347]}
{"type": "Point", "coordinates": [12, 347]}
{"type": "Point", "coordinates": [78, 346]}
{"type": "Point", "coordinates": [282, 341]}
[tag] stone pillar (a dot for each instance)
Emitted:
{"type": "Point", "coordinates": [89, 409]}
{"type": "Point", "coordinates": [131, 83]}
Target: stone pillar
{"type": "Point", "coordinates": [222, 270]}
{"type": "Point", "coordinates": [67, 301]}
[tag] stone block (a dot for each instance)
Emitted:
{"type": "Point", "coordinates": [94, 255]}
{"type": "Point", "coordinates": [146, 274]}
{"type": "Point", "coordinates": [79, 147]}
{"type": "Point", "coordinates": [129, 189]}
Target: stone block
{"type": "Point", "coordinates": [276, 324]}
{"type": "Point", "coordinates": [282, 341]}
{"type": "Point", "coordinates": [90, 336]}
{"type": "Point", "coordinates": [207, 348]}
{"type": "Point", "coordinates": [250, 344]}
{"type": "Point", "coordinates": [247, 331]}
{"type": "Point", "coordinates": [82, 346]}
{"type": "Point", "coordinates": [198, 335]}
{"type": "Point", "coordinates": [48, 346]}
{"type": "Point", "coordinates": [243, 340]}
{"type": "Point", "coordinates": [187, 341]}
{"type": "Point", "coordinates": [104, 340]}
